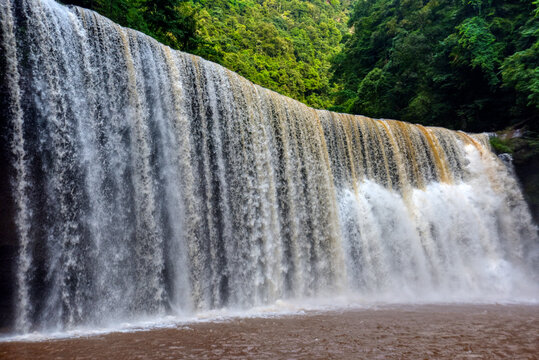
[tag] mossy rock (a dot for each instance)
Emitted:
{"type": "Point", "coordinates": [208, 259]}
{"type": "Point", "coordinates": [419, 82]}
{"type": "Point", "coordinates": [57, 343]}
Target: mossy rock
{"type": "Point", "coordinates": [500, 146]}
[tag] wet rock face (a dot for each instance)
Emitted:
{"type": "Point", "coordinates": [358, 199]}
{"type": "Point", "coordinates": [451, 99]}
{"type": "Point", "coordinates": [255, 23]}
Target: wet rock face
{"type": "Point", "coordinates": [528, 174]}
{"type": "Point", "coordinates": [526, 162]}
{"type": "Point", "coordinates": [523, 144]}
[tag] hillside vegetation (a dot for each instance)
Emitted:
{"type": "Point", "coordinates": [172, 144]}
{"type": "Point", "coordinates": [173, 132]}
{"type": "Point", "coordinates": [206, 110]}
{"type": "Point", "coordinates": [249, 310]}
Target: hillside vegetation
{"type": "Point", "coordinates": [465, 64]}
{"type": "Point", "coordinates": [284, 45]}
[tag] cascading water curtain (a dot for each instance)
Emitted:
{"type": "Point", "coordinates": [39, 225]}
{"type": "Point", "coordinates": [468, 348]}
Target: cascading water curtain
{"type": "Point", "coordinates": [147, 181]}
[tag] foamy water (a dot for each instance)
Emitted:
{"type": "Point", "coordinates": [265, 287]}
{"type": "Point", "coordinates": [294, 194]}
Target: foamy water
{"type": "Point", "coordinates": [384, 331]}
{"type": "Point", "coordinates": [280, 309]}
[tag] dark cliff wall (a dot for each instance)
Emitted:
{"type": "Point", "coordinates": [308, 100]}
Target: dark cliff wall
{"type": "Point", "coordinates": [8, 238]}
{"type": "Point", "coordinates": [528, 174]}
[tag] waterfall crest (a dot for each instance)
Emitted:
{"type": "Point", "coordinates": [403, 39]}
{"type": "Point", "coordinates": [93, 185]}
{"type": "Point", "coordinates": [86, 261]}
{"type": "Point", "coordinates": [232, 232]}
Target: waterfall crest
{"type": "Point", "coordinates": [149, 181]}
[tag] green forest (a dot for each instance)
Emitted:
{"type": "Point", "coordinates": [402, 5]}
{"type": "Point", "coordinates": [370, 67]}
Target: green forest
{"type": "Point", "coordinates": [470, 65]}
{"type": "Point", "coordinates": [284, 45]}
{"type": "Point", "coordinates": [462, 64]}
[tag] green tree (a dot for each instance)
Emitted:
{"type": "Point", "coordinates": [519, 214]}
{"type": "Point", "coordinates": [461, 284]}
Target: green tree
{"type": "Point", "coordinates": [466, 64]}
{"type": "Point", "coordinates": [172, 22]}
{"type": "Point", "coordinates": [521, 70]}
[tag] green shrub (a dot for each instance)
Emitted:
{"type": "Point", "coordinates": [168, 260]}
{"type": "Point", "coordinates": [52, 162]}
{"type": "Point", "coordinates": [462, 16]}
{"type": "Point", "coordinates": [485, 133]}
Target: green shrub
{"type": "Point", "coordinates": [500, 146]}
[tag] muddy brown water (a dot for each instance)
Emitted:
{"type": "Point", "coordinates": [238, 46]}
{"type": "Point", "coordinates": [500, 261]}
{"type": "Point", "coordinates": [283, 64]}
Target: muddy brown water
{"type": "Point", "coordinates": [387, 332]}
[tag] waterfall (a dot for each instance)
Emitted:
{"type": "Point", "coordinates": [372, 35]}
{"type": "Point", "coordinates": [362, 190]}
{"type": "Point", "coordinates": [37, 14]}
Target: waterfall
{"type": "Point", "coordinates": [146, 181]}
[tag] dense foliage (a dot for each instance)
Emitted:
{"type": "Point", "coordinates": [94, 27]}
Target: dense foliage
{"type": "Point", "coordinates": [284, 45]}
{"type": "Point", "coordinates": [172, 22]}
{"type": "Point", "coordinates": [467, 64]}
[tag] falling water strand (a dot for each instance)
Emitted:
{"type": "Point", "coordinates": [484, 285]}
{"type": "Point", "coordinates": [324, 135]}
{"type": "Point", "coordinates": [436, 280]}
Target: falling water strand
{"type": "Point", "coordinates": [147, 182]}
{"type": "Point", "coordinates": [21, 171]}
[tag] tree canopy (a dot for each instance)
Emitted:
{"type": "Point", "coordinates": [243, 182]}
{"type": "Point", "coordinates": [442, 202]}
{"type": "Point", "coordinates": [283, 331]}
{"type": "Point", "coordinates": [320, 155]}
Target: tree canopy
{"type": "Point", "coordinates": [284, 45]}
{"type": "Point", "coordinates": [466, 64]}
{"type": "Point", "coordinates": [171, 22]}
